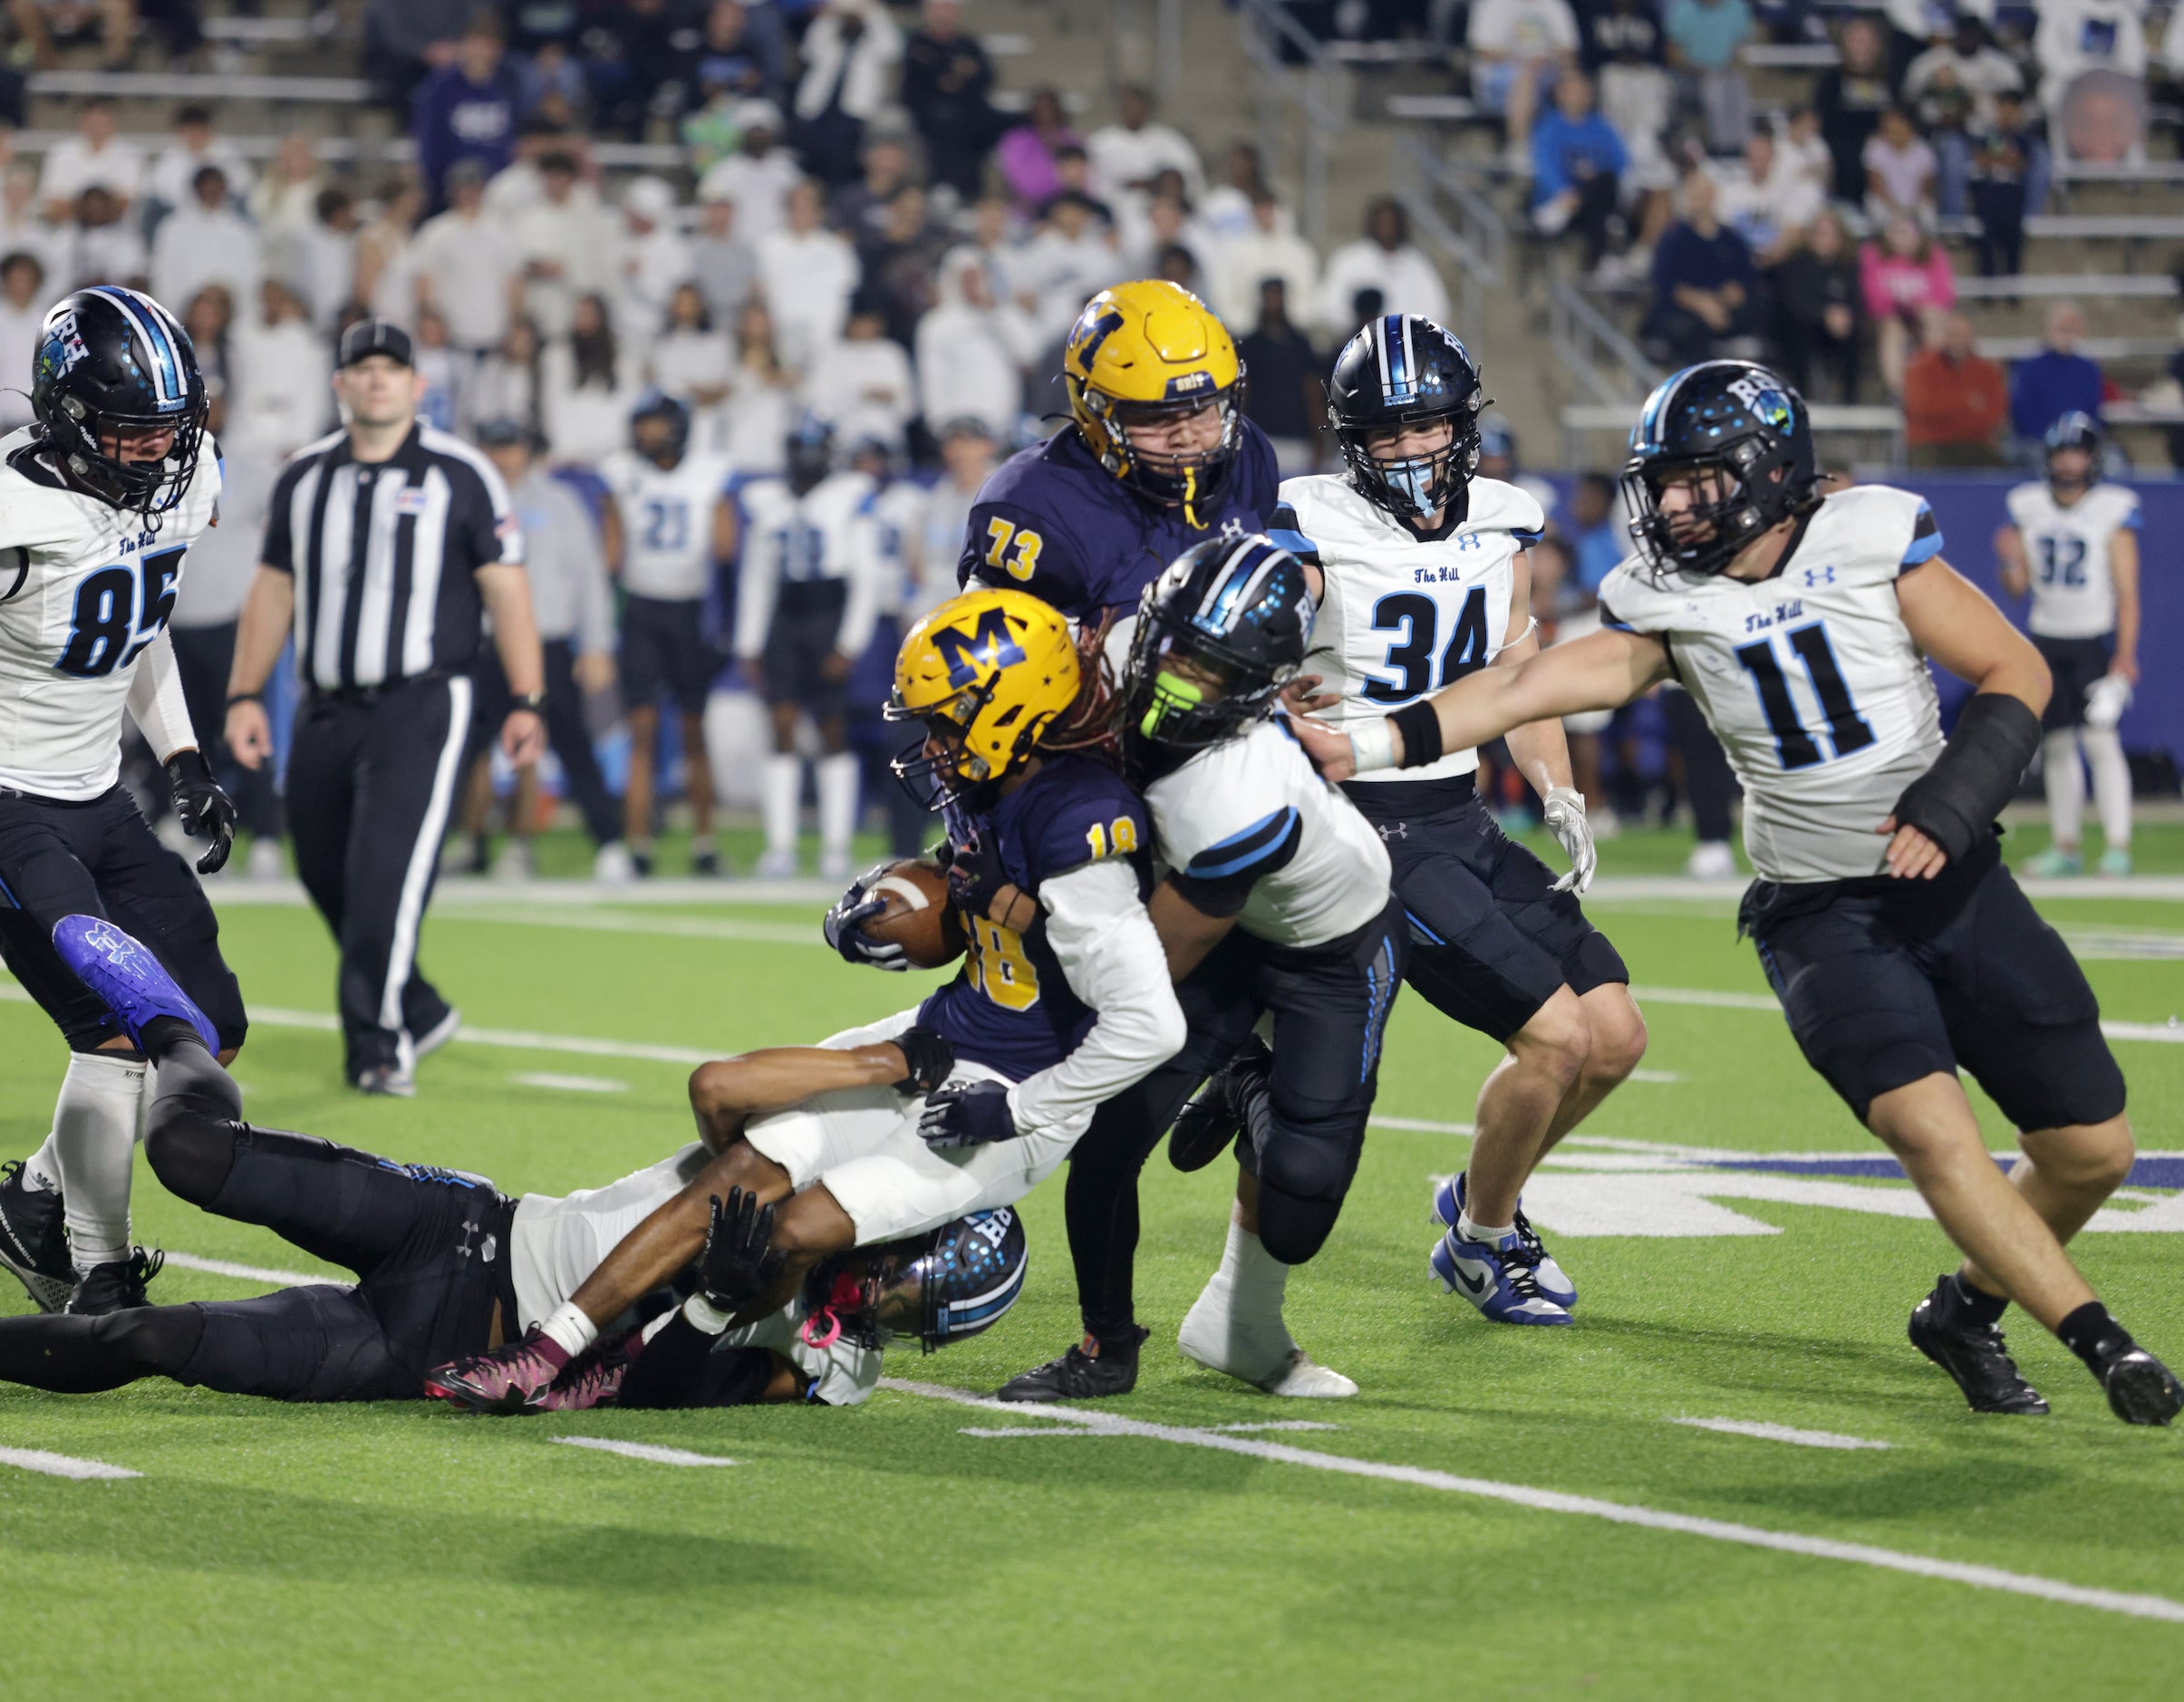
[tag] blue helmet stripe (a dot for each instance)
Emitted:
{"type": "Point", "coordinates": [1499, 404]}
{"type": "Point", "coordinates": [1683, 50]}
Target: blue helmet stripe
{"type": "Point", "coordinates": [956, 1317]}
{"type": "Point", "coordinates": [1648, 433]}
{"type": "Point", "coordinates": [1399, 381]}
{"type": "Point", "coordinates": [145, 317]}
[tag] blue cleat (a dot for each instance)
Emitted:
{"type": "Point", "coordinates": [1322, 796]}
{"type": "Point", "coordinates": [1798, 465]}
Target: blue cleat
{"type": "Point", "coordinates": [123, 973]}
{"type": "Point", "coordinates": [1497, 1277]}
{"type": "Point", "coordinates": [1552, 1281]}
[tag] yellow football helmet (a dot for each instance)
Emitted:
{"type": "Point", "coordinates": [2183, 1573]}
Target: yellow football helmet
{"type": "Point", "coordinates": [1147, 352]}
{"type": "Point", "coordinates": [985, 673]}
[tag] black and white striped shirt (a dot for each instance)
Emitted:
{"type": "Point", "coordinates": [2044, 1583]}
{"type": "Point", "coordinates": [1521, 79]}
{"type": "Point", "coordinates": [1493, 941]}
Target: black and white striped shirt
{"type": "Point", "coordinates": [384, 556]}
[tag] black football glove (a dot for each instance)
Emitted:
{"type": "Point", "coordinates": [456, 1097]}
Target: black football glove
{"type": "Point", "coordinates": [975, 874]}
{"type": "Point", "coordinates": [844, 928]}
{"type": "Point", "coordinates": [737, 1263]}
{"type": "Point", "coordinates": [206, 812]}
{"type": "Point", "coordinates": [930, 1055]}
{"type": "Point", "coordinates": [966, 1114]}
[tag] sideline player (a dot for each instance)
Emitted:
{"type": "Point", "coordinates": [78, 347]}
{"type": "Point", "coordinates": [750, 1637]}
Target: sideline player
{"type": "Point", "coordinates": [99, 501]}
{"type": "Point", "coordinates": [1159, 456]}
{"type": "Point", "coordinates": [446, 1262]}
{"type": "Point", "coordinates": [1884, 915]}
{"type": "Point", "coordinates": [1276, 903]}
{"type": "Point", "coordinates": [1424, 574]}
{"type": "Point", "coordinates": [2073, 543]}
{"type": "Point", "coordinates": [1063, 1001]}
{"type": "Point", "coordinates": [669, 524]}
{"type": "Point", "coordinates": [806, 606]}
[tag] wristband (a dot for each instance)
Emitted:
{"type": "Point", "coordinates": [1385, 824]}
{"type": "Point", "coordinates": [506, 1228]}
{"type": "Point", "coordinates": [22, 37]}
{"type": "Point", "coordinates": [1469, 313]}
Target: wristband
{"type": "Point", "coordinates": [245, 697]}
{"type": "Point", "coordinates": [705, 1317]}
{"type": "Point", "coordinates": [1372, 747]}
{"type": "Point", "coordinates": [533, 701]}
{"type": "Point", "coordinates": [1420, 725]}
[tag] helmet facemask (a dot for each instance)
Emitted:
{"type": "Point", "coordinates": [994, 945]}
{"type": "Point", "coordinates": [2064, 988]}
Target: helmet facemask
{"type": "Point", "coordinates": [1192, 478]}
{"type": "Point", "coordinates": [1708, 535]}
{"type": "Point", "coordinates": [1185, 692]}
{"type": "Point", "coordinates": [937, 778]}
{"type": "Point", "coordinates": [1413, 487]}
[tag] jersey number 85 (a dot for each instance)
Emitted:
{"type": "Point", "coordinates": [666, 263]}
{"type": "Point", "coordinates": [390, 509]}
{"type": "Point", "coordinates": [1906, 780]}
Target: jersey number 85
{"type": "Point", "coordinates": [109, 625]}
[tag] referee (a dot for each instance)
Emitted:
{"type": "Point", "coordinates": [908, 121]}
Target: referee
{"type": "Point", "coordinates": [385, 544]}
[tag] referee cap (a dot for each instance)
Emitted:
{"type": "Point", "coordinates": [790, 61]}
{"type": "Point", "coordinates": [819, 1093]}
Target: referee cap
{"type": "Point", "coordinates": [368, 337]}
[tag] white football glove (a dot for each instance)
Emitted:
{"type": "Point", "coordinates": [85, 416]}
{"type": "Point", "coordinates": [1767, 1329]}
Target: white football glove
{"type": "Point", "coordinates": [1564, 808]}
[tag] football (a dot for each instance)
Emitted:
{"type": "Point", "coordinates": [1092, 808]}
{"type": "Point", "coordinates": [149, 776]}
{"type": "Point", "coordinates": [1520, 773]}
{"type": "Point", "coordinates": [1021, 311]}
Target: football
{"type": "Point", "coordinates": [918, 918]}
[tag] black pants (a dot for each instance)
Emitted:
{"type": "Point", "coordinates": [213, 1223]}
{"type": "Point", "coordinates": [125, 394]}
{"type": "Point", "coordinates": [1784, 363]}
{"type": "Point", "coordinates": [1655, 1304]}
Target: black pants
{"type": "Point", "coordinates": [566, 732]}
{"type": "Point", "coordinates": [101, 858]}
{"type": "Point", "coordinates": [2001, 243]}
{"type": "Point", "coordinates": [1709, 782]}
{"type": "Point", "coordinates": [1331, 1006]}
{"type": "Point", "coordinates": [202, 655]}
{"type": "Point", "coordinates": [370, 779]}
{"type": "Point", "coordinates": [1807, 348]}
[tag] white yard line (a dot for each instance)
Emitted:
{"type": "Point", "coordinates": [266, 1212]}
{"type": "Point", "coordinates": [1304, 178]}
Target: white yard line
{"type": "Point", "coordinates": [1782, 1433]}
{"type": "Point", "coordinates": [644, 1451]}
{"type": "Point", "coordinates": [61, 1465]}
{"type": "Point", "coordinates": [2142, 1607]}
{"type": "Point", "coordinates": [569, 1083]}
{"type": "Point", "coordinates": [246, 1272]}
{"type": "Point", "coordinates": [1420, 1126]}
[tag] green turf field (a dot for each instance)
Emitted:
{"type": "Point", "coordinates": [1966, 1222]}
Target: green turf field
{"type": "Point", "coordinates": [884, 1550]}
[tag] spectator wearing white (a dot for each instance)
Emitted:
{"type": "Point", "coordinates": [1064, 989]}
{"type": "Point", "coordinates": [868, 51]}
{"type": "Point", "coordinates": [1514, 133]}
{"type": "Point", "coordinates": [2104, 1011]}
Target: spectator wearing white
{"type": "Point", "coordinates": [1071, 260]}
{"type": "Point", "coordinates": [1804, 150]}
{"type": "Point", "coordinates": [283, 198]}
{"type": "Point", "coordinates": [1638, 98]}
{"type": "Point", "coordinates": [655, 259]}
{"type": "Point", "coordinates": [1271, 247]}
{"type": "Point", "coordinates": [567, 249]}
{"type": "Point", "coordinates": [206, 241]}
{"type": "Point", "coordinates": [22, 320]}
{"type": "Point", "coordinates": [506, 383]}
{"type": "Point", "coordinates": [1128, 155]}
{"type": "Point", "coordinates": [862, 385]}
{"type": "Point", "coordinates": [281, 375]}
{"type": "Point", "coordinates": [106, 248]}
{"type": "Point", "coordinates": [2074, 36]}
{"type": "Point", "coordinates": [465, 269]}
{"type": "Point", "coordinates": [692, 362]}
{"type": "Point", "coordinates": [968, 455]}
{"type": "Point", "coordinates": [1901, 168]}
{"type": "Point", "coordinates": [1518, 47]}
{"type": "Point", "coordinates": [172, 179]}
{"type": "Point", "coordinates": [23, 226]}
{"type": "Point", "coordinates": [386, 252]}
{"type": "Point", "coordinates": [521, 185]}
{"type": "Point", "coordinates": [322, 262]}
{"type": "Point", "coordinates": [1979, 67]}
{"type": "Point", "coordinates": [1383, 259]}
{"type": "Point", "coordinates": [756, 178]}
{"type": "Point", "coordinates": [1766, 201]}
{"type": "Point", "coordinates": [587, 386]}
{"type": "Point", "coordinates": [850, 50]}
{"type": "Point", "coordinates": [444, 368]}
{"type": "Point", "coordinates": [209, 318]}
{"type": "Point", "coordinates": [808, 274]}
{"type": "Point", "coordinates": [762, 406]}
{"type": "Point", "coordinates": [967, 361]}
{"type": "Point", "coordinates": [724, 267]}
{"type": "Point", "coordinates": [94, 157]}
{"type": "Point", "coordinates": [1224, 212]}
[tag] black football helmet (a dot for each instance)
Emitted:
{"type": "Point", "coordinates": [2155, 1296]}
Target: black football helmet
{"type": "Point", "coordinates": [657, 404]}
{"type": "Point", "coordinates": [2076, 430]}
{"type": "Point", "coordinates": [1236, 614]}
{"type": "Point", "coordinates": [810, 454]}
{"type": "Point", "coordinates": [940, 1287]}
{"type": "Point", "coordinates": [1736, 418]}
{"type": "Point", "coordinates": [108, 360]}
{"type": "Point", "coordinates": [1402, 370]}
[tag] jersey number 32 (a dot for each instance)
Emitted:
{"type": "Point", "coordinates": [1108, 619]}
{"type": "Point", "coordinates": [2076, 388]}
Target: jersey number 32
{"type": "Point", "coordinates": [112, 623]}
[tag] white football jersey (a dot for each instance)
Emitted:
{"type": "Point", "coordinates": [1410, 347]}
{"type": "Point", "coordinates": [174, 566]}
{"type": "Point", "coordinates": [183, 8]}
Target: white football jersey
{"type": "Point", "coordinates": [1402, 616]}
{"type": "Point", "coordinates": [2066, 557]}
{"type": "Point", "coordinates": [841, 1374]}
{"type": "Point", "coordinates": [894, 513]}
{"type": "Point", "coordinates": [1810, 678]}
{"type": "Point", "coordinates": [1256, 800]}
{"type": "Point", "coordinates": [827, 534]}
{"type": "Point", "coordinates": [667, 521]}
{"type": "Point", "coordinates": [84, 588]}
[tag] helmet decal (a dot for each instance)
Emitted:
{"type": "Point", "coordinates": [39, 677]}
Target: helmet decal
{"type": "Point", "coordinates": [988, 644]}
{"type": "Point", "coordinates": [149, 321]}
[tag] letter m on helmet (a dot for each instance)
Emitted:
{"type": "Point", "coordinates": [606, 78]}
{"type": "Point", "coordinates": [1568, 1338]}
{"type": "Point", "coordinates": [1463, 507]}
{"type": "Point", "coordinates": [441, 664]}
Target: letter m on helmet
{"type": "Point", "coordinates": [987, 644]}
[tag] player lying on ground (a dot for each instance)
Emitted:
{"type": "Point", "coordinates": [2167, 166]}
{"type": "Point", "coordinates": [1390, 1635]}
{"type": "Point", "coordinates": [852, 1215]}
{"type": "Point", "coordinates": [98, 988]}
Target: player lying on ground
{"type": "Point", "coordinates": [1276, 905]}
{"type": "Point", "coordinates": [1885, 918]}
{"type": "Point", "coordinates": [1424, 576]}
{"type": "Point", "coordinates": [1063, 1000]}
{"type": "Point", "coordinates": [99, 502]}
{"type": "Point", "coordinates": [446, 1263]}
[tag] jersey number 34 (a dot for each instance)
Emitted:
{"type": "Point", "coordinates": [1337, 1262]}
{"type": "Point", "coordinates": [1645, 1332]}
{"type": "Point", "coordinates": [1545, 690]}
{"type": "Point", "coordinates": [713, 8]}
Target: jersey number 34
{"type": "Point", "coordinates": [110, 623]}
{"type": "Point", "coordinates": [1417, 617]}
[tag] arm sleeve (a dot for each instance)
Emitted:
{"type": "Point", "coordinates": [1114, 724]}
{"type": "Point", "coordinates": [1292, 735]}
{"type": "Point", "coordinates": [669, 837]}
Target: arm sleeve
{"type": "Point", "coordinates": [156, 702]}
{"type": "Point", "coordinates": [754, 592]}
{"type": "Point", "coordinates": [1112, 959]}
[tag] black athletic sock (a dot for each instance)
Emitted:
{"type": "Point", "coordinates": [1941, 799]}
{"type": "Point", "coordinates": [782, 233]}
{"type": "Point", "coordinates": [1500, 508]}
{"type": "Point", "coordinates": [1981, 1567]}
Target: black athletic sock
{"type": "Point", "coordinates": [2094, 1337]}
{"type": "Point", "coordinates": [164, 1035]}
{"type": "Point", "coordinates": [1977, 1304]}
{"type": "Point", "coordinates": [1121, 1349]}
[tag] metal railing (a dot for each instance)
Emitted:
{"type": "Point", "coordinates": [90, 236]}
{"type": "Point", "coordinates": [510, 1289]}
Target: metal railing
{"type": "Point", "coordinates": [1304, 102]}
{"type": "Point", "coordinates": [1595, 352]}
{"type": "Point", "coordinates": [1452, 219]}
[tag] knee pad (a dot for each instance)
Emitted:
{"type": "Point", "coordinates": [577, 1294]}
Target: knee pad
{"type": "Point", "coordinates": [1310, 1159]}
{"type": "Point", "coordinates": [158, 1337]}
{"type": "Point", "coordinates": [1292, 1229]}
{"type": "Point", "coordinates": [191, 1153]}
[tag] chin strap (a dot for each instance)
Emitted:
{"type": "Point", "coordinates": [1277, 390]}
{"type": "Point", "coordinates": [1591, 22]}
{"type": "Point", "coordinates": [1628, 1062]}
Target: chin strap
{"type": "Point", "coordinates": [1190, 499]}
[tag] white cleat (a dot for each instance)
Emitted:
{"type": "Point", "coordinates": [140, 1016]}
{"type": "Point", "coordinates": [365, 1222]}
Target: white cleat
{"type": "Point", "coordinates": [1262, 1354]}
{"type": "Point", "coordinates": [1710, 860]}
{"type": "Point", "coordinates": [612, 865]}
{"type": "Point", "coordinates": [1302, 1377]}
{"type": "Point", "coordinates": [836, 866]}
{"type": "Point", "coordinates": [263, 863]}
{"type": "Point", "coordinates": [777, 866]}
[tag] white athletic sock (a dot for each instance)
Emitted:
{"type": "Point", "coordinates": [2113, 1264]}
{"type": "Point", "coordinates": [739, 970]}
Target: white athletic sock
{"type": "Point", "coordinates": [2065, 788]}
{"type": "Point", "coordinates": [568, 1326]}
{"type": "Point", "coordinates": [95, 1138]}
{"type": "Point", "coordinates": [42, 1169]}
{"type": "Point", "coordinates": [1257, 1280]}
{"type": "Point", "coordinates": [781, 784]}
{"type": "Point", "coordinates": [837, 782]}
{"type": "Point", "coordinates": [2111, 783]}
{"type": "Point", "coordinates": [1466, 1230]}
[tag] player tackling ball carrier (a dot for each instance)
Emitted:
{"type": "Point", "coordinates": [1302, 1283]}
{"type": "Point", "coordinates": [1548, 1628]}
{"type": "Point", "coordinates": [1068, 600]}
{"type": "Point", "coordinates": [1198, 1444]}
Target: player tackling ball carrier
{"type": "Point", "coordinates": [1887, 923]}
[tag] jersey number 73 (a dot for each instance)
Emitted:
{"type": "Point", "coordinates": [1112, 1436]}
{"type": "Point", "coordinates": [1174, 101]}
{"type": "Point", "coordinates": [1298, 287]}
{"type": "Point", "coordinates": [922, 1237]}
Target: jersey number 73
{"type": "Point", "coordinates": [110, 623]}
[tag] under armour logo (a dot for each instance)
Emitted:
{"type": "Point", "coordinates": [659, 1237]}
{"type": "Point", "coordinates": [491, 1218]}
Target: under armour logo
{"type": "Point", "coordinates": [1395, 830]}
{"type": "Point", "coordinates": [465, 1243]}
{"type": "Point", "coordinates": [1231, 528]}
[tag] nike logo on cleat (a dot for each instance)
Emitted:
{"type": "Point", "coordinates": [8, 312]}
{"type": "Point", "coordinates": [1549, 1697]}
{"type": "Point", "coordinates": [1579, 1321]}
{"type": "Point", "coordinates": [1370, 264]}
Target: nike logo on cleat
{"type": "Point", "coordinates": [1472, 1284]}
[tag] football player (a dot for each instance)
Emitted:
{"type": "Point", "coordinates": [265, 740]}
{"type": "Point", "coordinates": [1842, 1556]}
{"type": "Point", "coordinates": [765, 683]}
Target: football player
{"type": "Point", "coordinates": [1424, 576]}
{"type": "Point", "coordinates": [1159, 458]}
{"type": "Point", "coordinates": [100, 499]}
{"type": "Point", "coordinates": [446, 1263]}
{"type": "Point", "coordinates": [806, 606]}
{"type": "Point", "coordinates": [1276, 905]}
{"type": "Point", "coordinates": [1063, 1001]}
{"type": "Point", "coordinates": [667, 523]}
{"type": "Point", "coordinates": [1801, 623]}
{"type": "Point", "coordinates": [2072, 540]}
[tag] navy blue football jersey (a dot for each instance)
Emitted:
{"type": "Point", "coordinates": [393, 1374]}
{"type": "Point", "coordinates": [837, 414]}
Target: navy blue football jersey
{"type": "Point", "coordinates": [1011, 1008]}
{"type": "Point", "coordinates": [1053, 522]}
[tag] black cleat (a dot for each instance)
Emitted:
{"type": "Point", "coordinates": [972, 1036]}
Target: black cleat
{"type": "Point", "coordinates": [705, 864]}
{"type": "Point", "coordinates": [34, 1240]}
{"type": "Point", "coordinates": [1974, 1354]}
{"type": "Point", "coordinates": [1215, 1115]}
{"type": "Point", "coordinates": [116, 1287]}
{"type": "Point", "coordinates": [1078, 1376]}
{"type": "Point", "coordinates": [2141, 1391]}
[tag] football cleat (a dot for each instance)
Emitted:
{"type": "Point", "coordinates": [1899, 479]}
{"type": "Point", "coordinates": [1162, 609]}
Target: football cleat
{"type": "Point", "coordinates": [514, 1379]}
{"type": "Point", "coordinates": [132, 982]}
{"type": "Point", "coordinates": [1303, 1378]}
{"type": "Point", "coordinates": [592, 1378]}
{"type": "Point", "coordinates": [116, 1287]}
{"type": "Point", "coordinates": [34, 1240]}
{"type": "Point", "coordinates": [1077, 1376]}
{"type": "Point", "coordinates": [385, 1081]}
{"type": "Point", "coordinates": [424, 1045]}
{"type": "Point", "coordinates": [1551, 1279]}
{"type": "Point", "coordinates": [1262, 1353]}
{"type": "Point", "coordinates": [2141, 1391]}
{"type": "Point", "coordinates": [1974, 1354]}
{"type": "Point", "coordinates": [2054, 863]}
{"type": "Point", "coordinates": [705, 864]}
{"type": "Point", "coordinates": [1495, 1277]}
{"type": "Point", "coordinates": [1215, 1115]}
